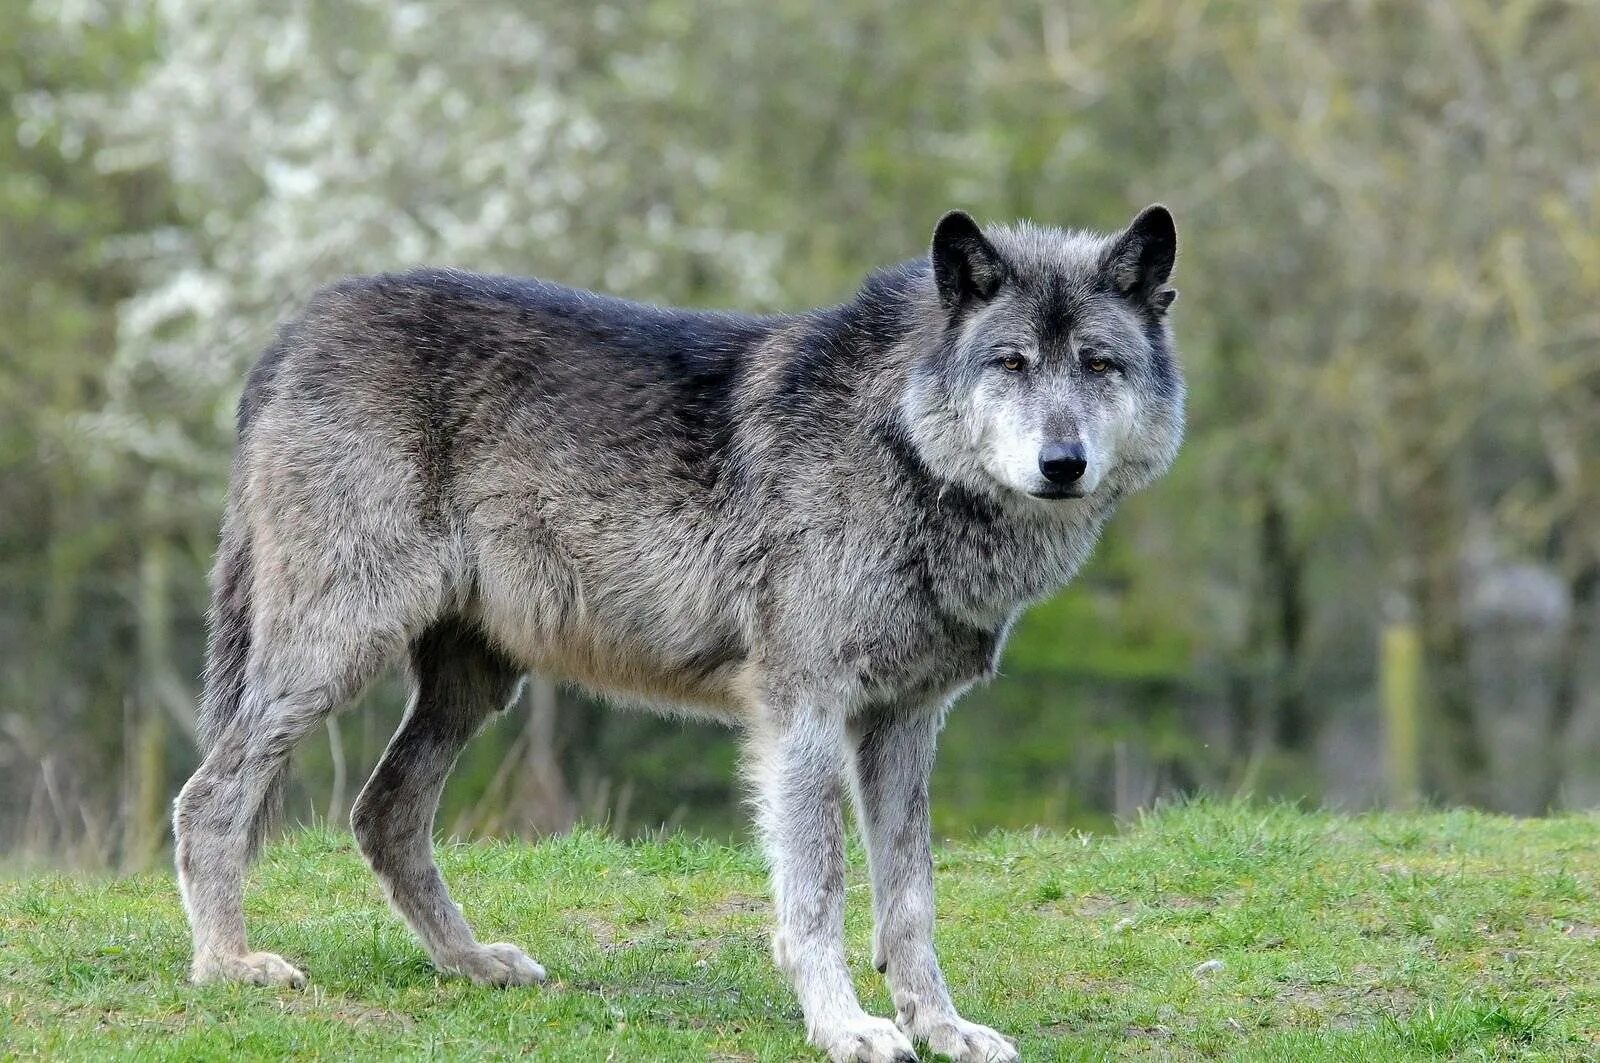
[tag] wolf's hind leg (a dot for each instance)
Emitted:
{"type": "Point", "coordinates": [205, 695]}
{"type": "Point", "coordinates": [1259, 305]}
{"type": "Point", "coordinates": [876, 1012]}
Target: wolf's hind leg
{"type": "Point", "coordinates": [218, 811]}
{"type": "Point", "coordinates": [460, 682]}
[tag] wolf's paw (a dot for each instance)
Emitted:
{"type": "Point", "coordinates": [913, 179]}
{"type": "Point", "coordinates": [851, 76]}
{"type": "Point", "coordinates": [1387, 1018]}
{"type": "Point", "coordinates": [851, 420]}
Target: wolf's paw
{"type": "Point", "coordinates": [497, 965]}
{"type": "Point", "coordinates": [255, 968]}
{"type": "Point", "coordinates": [865, 1040]}
{"type": "Point", "coordinates": [962, 1041]}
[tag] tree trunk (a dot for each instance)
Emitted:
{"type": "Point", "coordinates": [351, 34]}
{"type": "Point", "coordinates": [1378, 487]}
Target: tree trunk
{"type": "Point", "coordinates": [145, 819]}
{"type": "Point", "coordinates": [1569, 678]}
{"type": "Point", "coordinates": [1281, 564]}
{"type": "Point", "coordinates": [541, 802]}
{"type": "Point", "coordinates": [1459, 758]}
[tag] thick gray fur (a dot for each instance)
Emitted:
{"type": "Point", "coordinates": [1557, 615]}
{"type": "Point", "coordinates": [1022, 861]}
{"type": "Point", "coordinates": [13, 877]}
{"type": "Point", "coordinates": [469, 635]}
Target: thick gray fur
{"type": "Point", "coordinates": [816, 527]}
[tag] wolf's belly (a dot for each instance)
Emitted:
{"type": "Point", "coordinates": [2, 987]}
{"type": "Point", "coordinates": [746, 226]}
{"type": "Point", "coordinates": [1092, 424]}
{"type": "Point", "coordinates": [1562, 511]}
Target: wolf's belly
{"type": "Point", "coordinates": [692, 662]}
{"type": "Point", "coordinates": [709, 686]}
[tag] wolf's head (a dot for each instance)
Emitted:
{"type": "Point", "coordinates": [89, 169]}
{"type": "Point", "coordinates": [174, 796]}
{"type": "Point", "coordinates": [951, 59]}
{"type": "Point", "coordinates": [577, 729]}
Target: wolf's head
{"type": "Point", "coordinates": [1054, 376]}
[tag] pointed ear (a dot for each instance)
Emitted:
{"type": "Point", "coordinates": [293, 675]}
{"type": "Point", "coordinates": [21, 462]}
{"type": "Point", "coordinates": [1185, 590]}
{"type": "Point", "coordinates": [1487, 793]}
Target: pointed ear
{"type": "Point", "coordinates": [1140, 259]}
{"type": "Point", "coordinates": [965, 265]}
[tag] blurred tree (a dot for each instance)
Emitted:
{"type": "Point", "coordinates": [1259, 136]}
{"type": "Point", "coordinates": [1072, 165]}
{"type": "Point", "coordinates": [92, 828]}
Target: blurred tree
{"type": "Point", "coordinates": [1390, 222]}
{"type": "Point", "coordinates": [71, 693]}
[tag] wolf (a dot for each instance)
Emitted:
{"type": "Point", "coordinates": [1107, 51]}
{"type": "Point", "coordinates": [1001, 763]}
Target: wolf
{"type": "Point", "coordinates": [817, 527]}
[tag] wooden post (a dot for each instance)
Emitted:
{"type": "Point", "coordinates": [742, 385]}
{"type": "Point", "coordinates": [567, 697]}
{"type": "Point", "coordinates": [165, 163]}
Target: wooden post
{"type": "Point", "coordinates": [1400, 691]}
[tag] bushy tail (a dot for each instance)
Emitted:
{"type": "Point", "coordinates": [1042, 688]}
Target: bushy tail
{"type": "Point", "coordinates": [227, 656]}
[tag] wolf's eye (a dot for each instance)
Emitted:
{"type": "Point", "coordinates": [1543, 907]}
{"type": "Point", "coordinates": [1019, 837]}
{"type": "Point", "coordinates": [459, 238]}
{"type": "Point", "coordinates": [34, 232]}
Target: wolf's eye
{"type": "Point", "coordinates": [1096, 364]}
{"type": "Point", "coordinates": [1013, 362]}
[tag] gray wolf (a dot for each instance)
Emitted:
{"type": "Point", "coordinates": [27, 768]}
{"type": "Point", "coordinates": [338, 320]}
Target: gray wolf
{"type": "Point", "coordinates": [817, 527]}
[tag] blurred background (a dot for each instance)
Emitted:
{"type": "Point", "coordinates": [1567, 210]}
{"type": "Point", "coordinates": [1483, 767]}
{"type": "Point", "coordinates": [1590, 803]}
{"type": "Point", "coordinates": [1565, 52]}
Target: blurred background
{"type": "Point", "coordinates": [1373, 577]}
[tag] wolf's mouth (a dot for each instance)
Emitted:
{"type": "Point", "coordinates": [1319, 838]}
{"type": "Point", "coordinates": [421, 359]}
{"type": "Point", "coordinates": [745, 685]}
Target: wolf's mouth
{"type": "Point", "coordinates": [1056, 494]}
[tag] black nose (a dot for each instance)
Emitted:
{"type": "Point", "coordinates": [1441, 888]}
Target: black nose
{"type": "Point", "coordinates": [1062, 463]}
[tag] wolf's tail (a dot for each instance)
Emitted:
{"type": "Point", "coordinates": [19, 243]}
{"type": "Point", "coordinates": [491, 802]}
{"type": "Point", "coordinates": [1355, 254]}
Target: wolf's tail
{"type": "Point", "coordinates": [227, 658]}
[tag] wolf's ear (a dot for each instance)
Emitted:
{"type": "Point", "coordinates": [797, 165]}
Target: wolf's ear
{"type": "Point", "coordinates": [965, 265]}
{"type": "Point", "coordinates": [1140, 259]}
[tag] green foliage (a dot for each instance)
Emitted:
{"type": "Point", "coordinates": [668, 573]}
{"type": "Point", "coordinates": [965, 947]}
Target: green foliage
{"type": "Point", "coordinates": [1111, 624]}
{"type": "Point", "coordinates": [1455, 935]}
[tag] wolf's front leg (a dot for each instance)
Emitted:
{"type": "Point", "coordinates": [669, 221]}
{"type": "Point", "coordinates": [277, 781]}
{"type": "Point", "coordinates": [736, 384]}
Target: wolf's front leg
{"type": "Point", "coordinates": [798, 773]}
{"type": "Point", "coordinates": [893, 758]}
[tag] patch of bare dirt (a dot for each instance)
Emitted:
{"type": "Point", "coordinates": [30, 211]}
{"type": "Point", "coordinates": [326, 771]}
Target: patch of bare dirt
{"type": "Point", "coordinates": [1581, 931]}
{"type": "Point", "coordinates": [1096, 905]}
{"type": "Point", "coordinates": [1344, 1007]}
{"type": "Point", "coordinates": [348, 1012]}
{"type": "Point", "coordinates": [734, 906]}
{"type": "Point", "coordinates": [1179, 903]}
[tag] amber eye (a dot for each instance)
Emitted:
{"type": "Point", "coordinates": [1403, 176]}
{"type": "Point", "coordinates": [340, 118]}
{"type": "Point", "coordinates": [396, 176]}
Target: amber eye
{"type": "Point", "coordinates": [1013, 362]}
{"type": "Point", "coordinates": [1096, 365]}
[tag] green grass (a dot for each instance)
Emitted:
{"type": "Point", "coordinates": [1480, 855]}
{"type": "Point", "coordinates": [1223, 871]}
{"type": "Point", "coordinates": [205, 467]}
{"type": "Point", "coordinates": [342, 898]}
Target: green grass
{"type": "Point", "coordinates": [1379, 937]}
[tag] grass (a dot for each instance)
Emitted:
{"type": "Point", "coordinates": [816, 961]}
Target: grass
{"type": "Point", "coordinates": [1208, 930]}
